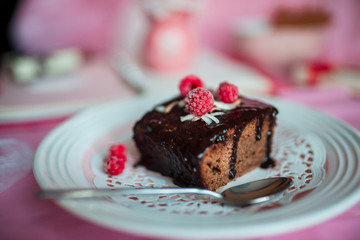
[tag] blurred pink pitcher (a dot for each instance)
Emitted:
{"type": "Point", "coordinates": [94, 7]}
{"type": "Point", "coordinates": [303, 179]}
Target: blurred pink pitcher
{"type": "Point", "coordinates": [170, 42]}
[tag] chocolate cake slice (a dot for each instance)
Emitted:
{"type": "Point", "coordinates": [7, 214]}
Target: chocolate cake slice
{"type": "Point", "coordinates": [206, 154]}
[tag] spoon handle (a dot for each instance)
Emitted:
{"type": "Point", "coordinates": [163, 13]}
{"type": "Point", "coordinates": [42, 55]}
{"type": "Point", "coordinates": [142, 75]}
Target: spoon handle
{"type": "Point", "coordinates": [99, 192]}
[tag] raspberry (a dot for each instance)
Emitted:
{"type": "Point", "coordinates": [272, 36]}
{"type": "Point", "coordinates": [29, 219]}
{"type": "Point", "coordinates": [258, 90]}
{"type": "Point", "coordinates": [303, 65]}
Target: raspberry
{"type": "Point", "coordinates": [117, 150]}
{"type": "Point", "coordinates": [227, 92]}
{"type": "Point", "coordinates": [199, 101]}
{"type": "Point", "coordinates": [115, 165]}
{"type": "Point", "coordinates": [189, 83]}
{"type": "Point", "coordinates": [116, 159]}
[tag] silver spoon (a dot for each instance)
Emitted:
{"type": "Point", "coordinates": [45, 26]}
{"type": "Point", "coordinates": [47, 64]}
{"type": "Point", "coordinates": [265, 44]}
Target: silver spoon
{"type": "Point", "coordinates": [245, 194]}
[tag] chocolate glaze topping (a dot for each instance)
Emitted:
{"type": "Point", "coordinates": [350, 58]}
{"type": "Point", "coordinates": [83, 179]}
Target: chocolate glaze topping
{"type": "Point", "coordinates": [192, 138]}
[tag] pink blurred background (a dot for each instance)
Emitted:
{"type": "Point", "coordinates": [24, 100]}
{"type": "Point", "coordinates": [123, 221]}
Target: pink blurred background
{"type": "Point", "coordinates": [108, 26]}
{"type": "Point", "coordinates": [42, 26]}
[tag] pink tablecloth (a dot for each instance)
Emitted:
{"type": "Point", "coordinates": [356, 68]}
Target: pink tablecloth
{"type": "Point", "coordinates": [22, 216]}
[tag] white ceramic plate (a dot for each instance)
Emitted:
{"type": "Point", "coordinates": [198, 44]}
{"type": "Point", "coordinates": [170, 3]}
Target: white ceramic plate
{"type": "Point", "coordinates": [321, 154]}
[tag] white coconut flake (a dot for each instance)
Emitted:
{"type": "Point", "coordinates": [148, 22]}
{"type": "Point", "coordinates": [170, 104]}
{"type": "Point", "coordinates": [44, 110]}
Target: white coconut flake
{"type": "Point", "coordinates": [227, 106]}
{"type": "Point", "coordinates": [166, 109]}
{"type": "Point", "coordinates": [170, 106]}
{"type": "Point", "coordinates": [187, 117]}
{"type": "Point", "coordinates": [196, 118]}
{"type": "Point", "coordinates": [217, 113]}
{"type": "Point", "coordinates": [212, 117]}
{"type": "Point", "coordinates": [206, 119]}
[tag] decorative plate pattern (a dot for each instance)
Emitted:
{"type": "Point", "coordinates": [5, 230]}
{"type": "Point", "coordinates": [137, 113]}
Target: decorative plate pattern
{"type": "Point", "coordinates": [320, 154]}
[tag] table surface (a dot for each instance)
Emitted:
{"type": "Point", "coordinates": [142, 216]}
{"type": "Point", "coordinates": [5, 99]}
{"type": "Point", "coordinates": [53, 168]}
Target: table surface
{"type": "Point", "coordinates": [22, 216]}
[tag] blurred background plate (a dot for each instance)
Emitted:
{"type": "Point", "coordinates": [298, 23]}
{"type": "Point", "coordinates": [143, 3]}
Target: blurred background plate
{"type": "Point", "coordinates": [97, 81]}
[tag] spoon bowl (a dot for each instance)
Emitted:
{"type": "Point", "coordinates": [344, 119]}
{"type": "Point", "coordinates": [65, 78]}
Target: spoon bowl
{"type": "Point", "coordinates": [244, 194]}
{"type": "Point", "coordinates": [257, 191]}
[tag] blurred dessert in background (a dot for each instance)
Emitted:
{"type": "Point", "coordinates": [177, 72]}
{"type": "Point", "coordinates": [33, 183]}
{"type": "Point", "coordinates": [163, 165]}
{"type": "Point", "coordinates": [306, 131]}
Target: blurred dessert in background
{"type": "Point", "coordinates": [306, 17]}
{"type": "Point", "coordinates": [327, 75]}
{"type": "Point", "coordinates": [25, 69]}
{"type": "Point", "coordinates": [291, 35]}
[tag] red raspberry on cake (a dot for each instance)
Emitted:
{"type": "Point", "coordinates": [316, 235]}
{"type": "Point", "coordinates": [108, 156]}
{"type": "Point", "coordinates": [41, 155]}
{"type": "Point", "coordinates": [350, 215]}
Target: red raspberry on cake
{"type": "Point", "coordinates": [115, 165]}
{"type": "Point", "coordinates": [227, 92]}
{"type": "Point", "coordinates": [189, 83]}
{"type": "Point", "coordinates": [199, 101]}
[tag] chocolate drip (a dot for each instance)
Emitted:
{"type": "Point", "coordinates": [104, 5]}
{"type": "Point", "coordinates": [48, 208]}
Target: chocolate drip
{"type": "Point", "coordinates": [258, 126]}
{"type": "Point", "coordinates": [268, 162]}
{"type": "Point", "coordinates": [232, 163]}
